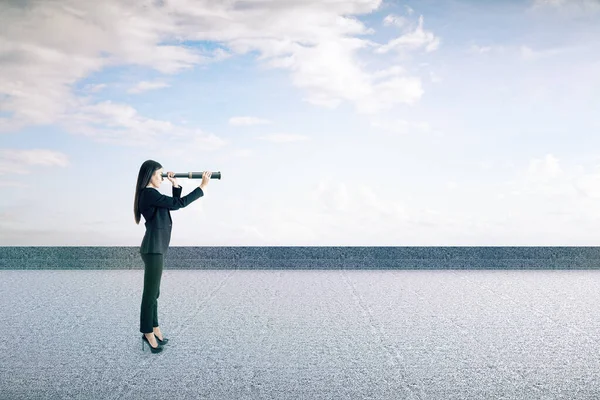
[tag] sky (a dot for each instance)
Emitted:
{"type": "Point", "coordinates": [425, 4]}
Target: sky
{"type": "Point", "coordinates": [333, 123]}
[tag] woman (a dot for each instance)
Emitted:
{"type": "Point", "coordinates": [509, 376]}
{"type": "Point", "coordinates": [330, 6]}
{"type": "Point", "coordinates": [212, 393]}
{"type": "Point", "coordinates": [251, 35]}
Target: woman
{"type": "Point", "coordinates": [155, 207]}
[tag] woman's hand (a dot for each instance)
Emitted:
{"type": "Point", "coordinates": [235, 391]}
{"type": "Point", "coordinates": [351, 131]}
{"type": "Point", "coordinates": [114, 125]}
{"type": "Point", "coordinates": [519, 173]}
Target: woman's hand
{"type": "Point", "coordinates": [172, 179]}
{"type": "Point", "coordinates": [205, 179]}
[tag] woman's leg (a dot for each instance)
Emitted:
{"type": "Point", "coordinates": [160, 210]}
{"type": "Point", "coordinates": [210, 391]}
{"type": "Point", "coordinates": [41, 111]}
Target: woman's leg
{"type": "Point", "coordinates": [155, 313]}
{"type": "Point", "coordinates": [152, 274]}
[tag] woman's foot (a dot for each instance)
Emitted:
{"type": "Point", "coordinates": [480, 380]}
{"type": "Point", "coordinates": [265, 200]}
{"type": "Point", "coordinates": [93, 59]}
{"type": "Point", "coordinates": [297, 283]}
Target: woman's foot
{"type": "Point", "coordinates": [154, 347]}
{"type": "Point", "coordinates": [157, 333]}
{"type": "Point", "coordinates": [159, 336]}
{"type": "Point", "coordinates": [151, 340]}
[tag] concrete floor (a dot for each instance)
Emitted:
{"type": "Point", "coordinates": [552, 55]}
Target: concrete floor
{"type": "Point", "coordinates": [284, 334]}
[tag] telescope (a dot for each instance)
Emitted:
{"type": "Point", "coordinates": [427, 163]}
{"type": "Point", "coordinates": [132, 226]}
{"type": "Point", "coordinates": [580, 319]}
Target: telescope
{"type": "Point", "coordinates": [193, 175]}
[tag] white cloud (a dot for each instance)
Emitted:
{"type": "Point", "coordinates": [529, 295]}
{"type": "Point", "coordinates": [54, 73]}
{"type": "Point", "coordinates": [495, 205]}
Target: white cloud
{"type": "Point", "coordinates": [49, 46]}
{"type": "Point", "coordinates": [589, 184]}
{"type": "Point", "coordinates": [94, 87]}
{"type": "Point", "coordinates": [239, 153]}
{"type": "Point", "coordinates": [451, 185]}
{"type": "Point", "coordinates": [544, 169]}
{"type": "Point", "coordinates": [283, 138]}
{"type": "Point", "coordinates": [554, 3]}
{"type": "Point", "coordinates": [541, 182]}
{"type": "Point", "coordinates": [578, 6]}
{"type": "Point", "coordinates": [332, 212]}
{"type": "Point", "coordinates": [413, 40]}
{"type": "Point", "coordinates": [329, 72]}
{"type": "Point", "coordinates": [323, 100]}
{"type": "Point", "coordinates": [18, 161]}
{"type": "Point", "coordinates": [547, 210]}
{"type": "Point", "coordinates": [144, 86]}
{"type": "Point", "coordinates": [435, 78]}
{"type": "Point", "coordinates": [396, 20]}
{"type": "Point", "coordinates": [391, 71]}
{"type": "Point", "coordinates": [12, 184]}
{"type": "Point", "coordinates": [480, 49]}
{"type": "Point", "coordinates": [317, 40]}
{"type": "Point", "coordinates": [336, 212]}
{"type": "Point", "coordinates": [530, 54]}
{"type": "Point", "coordinates": [203, 142]}
{"type": "Point", "coordinates": [397, 90]}
{"type": "Point", "coordinates": [545, 184]}
{"type": "Point", "coordinates": [115, 123]}
{"type": "Point", "coordinates": [247, 121]}
{"type": "Point", "coordinates": [548, 202]}
{"type": "Point", "coordinates": [526, 52]}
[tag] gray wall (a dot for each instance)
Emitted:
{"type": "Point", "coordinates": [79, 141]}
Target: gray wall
{"type": "Point", "coordinates": [306, 258]}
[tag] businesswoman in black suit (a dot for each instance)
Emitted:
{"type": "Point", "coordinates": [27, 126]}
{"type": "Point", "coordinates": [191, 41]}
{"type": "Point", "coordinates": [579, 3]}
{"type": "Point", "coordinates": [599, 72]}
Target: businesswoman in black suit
{"type": "Point", "coordinates": [155, 207]}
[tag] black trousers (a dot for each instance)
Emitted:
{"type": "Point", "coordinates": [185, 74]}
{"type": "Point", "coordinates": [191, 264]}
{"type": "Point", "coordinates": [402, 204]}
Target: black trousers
{"type": "Point", "coordinates": [152, 273]}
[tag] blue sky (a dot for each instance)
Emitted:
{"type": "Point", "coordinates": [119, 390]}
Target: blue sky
{"type": "Point", "coordinates": [373, 123]}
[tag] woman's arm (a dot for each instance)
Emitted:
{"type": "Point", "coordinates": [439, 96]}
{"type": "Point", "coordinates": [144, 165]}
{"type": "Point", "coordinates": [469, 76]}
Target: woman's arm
{"type": "Point", "coordinates": [177, 191]}
{"type": "Point", "coordinates": [153, 198]}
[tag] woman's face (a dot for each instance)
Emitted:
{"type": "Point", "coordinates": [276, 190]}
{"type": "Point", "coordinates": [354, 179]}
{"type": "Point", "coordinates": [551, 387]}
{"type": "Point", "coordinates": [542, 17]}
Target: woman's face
{"type": "Point", "coordinates": [156, 179]}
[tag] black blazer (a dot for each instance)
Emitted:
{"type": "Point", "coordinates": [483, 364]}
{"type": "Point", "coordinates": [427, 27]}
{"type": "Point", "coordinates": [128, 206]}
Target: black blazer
{"type": "Point", "coordinates": [155, 207]}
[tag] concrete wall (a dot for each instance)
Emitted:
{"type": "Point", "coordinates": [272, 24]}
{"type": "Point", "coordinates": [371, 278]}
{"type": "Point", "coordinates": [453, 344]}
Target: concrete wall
{"type": "Point", "coordinates": [306, 258]}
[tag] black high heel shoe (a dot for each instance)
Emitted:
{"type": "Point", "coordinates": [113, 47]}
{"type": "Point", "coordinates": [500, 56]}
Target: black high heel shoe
{"type": "Point", "coordinates": [161, 342]}
{"type": "Point", "coordinates": [156, 349]}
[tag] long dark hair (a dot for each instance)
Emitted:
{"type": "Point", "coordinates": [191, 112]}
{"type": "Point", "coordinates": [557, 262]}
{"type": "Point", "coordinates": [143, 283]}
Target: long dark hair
{"type": "Point", "coordinates": [146, 171]}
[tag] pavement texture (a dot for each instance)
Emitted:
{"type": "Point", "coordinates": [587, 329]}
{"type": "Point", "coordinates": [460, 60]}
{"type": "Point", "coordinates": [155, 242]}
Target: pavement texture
{"type": "Point", "coordinates": [302, 334]}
